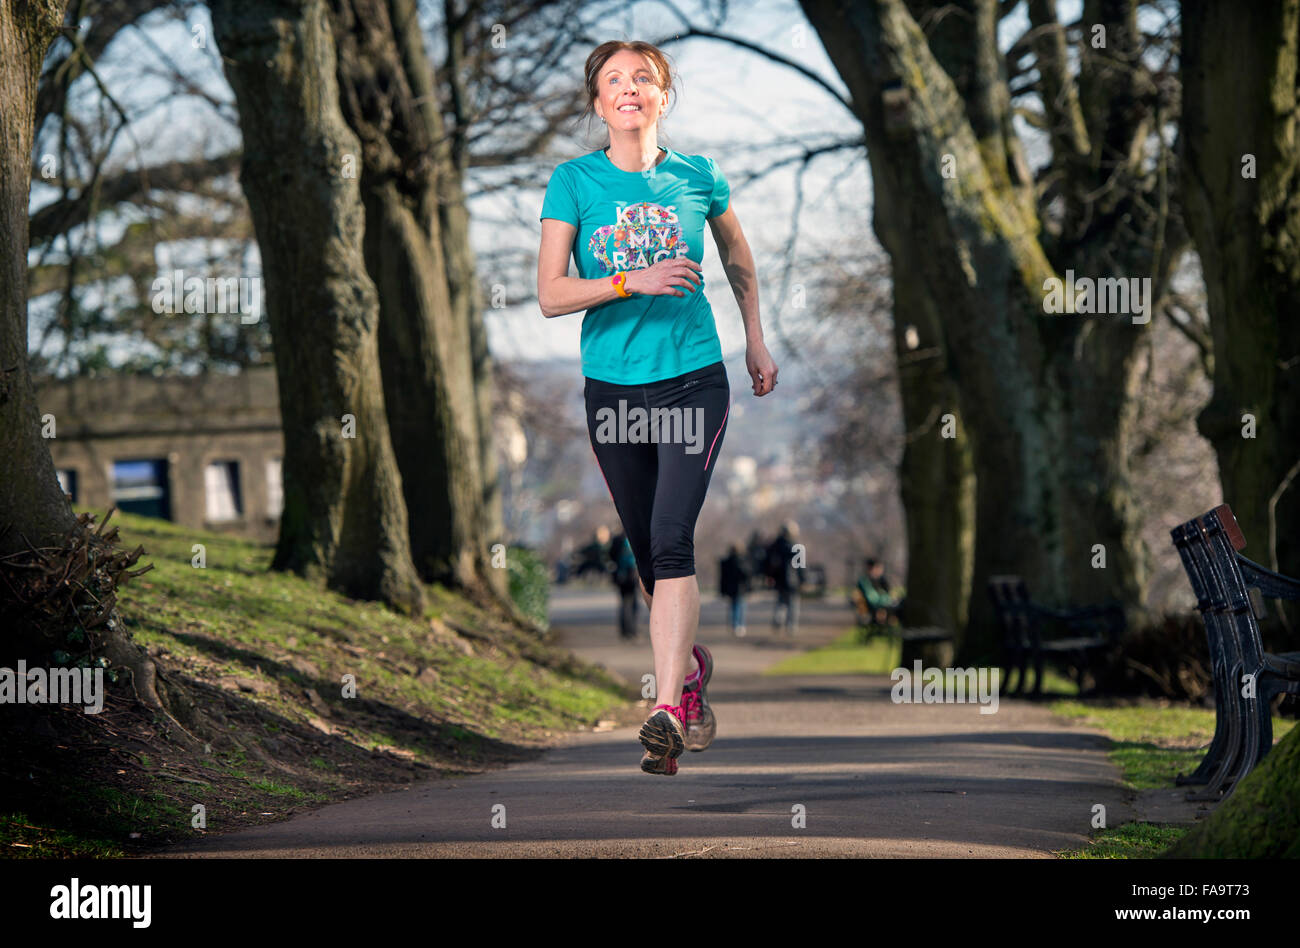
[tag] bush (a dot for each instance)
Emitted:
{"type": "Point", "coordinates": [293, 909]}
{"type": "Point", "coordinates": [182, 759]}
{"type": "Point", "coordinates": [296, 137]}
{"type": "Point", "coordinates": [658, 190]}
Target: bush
{"type": "Point", "coordinates": [530, 583]}
{"type": "Point", "coordinates": [62, 599]}
{"type": "Point", "coordinates": [1168, 658]}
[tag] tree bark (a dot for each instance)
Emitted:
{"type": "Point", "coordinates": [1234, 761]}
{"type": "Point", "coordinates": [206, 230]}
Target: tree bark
{"type": "Point", "coordinates": [968, 238]}
{"type": "Point", "coordinates": [458, 251]}
{"type": "Point", "coordinates": [344, 518]}
{"type": "Point", "coordinates": [34, 511]}
{"type": "Point", "coordinates": [1045, 399]}
{"type": "Point", "coordinates": [935, 475]}
{"type": "Point", "coordinates": [1114, 228]}
{"type": "Point", "coordinates": [31, 500]}
{"type": "Point", "coordinates": [425, 342]}
{"type": "Point", "coordinates": [1239, 74]}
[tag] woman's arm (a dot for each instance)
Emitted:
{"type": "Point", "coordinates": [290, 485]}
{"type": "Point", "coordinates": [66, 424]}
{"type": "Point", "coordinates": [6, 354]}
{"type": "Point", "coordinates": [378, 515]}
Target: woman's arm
{"type": "Point", "coordinates": [559, 294]}
{"type": "Point", "coordinates": [738, 264]}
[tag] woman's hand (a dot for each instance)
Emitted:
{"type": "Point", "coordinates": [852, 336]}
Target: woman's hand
{"type": "Point", "coordinates": [661, 278]}
{"type": "Point", "coordinates": [762, 370]}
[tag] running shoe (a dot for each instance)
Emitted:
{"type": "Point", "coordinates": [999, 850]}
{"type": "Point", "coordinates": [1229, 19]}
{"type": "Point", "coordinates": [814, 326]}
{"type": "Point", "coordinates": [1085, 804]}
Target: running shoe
{"type": "Point", "coordinates": [701, 724]}
{"type": "Point", "coordinates": [664, 738]}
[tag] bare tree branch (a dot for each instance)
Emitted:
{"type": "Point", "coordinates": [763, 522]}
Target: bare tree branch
{"type": "Point", "coordinates": [57, 218]}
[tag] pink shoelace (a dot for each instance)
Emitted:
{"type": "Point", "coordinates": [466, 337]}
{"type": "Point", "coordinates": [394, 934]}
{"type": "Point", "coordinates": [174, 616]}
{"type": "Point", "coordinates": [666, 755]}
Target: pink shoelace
{"type": "Point", "coordinates": [691, 705]}
{"type": "Point", "coordinates": [674, 709]}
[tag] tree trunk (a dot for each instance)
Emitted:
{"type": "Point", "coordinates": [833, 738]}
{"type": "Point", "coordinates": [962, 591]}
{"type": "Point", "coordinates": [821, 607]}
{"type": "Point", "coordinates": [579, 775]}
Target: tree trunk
{"type": "Point", "coordinates": [30, 498]}
{"type": "Point", "coordinates": [344, 517]}
{"type": "Point", "coordinates": [425, 343]}
{"type": "Point", "coordinates": [1110, 229]}
{"type": "Point", "coordinates": [462, 270]}
{"type": "Point", "coordinates": [1118, 225]}
{"type": "Point", "coordinates": [1045, 399]}
{"type": "Point", "coordinates": [1094, 373]}
{"type": "Point", "coordinates": [935, 474]}
{"type": "Point", "coordinates": [1241, 189]}
{"type": "Point", "coordinates": [34, 511]}
{"type": "Point", "coordinates": [968, 238]}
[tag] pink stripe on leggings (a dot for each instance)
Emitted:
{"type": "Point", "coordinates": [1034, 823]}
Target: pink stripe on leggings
{"type": "Point", "coordinates": [715, 437]}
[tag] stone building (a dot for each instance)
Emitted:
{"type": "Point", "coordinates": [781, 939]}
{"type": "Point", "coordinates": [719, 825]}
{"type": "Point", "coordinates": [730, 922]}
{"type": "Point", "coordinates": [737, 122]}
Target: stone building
{"type": "Point", "coordinates": [202, 451]}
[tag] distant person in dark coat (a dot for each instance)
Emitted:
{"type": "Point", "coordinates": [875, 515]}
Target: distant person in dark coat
{"type": "Point", "coordinates": [786, 576]}
{"type": "Point", "coordinates": [733, 583]}
{"type": "Point", "coordinates": [595, 556]}
{"type": "Point", "coordinates": [757, 553]}
{"type": "Point", "coordinates": [629, 585]}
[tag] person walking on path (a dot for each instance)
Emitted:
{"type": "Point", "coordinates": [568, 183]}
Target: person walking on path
{"type": "Point", "coordinates": [625, 579]}
{"type": "Point", "coordinates": [631, 215]}
{"type": "Point", "coordinates": [733, 583]}
{"type": "Point", "coordinates": [757, 552]}
{"type": "Point", "coordinates": [594, 556]}
{"type": "Point", "coordinates": [788, 577]}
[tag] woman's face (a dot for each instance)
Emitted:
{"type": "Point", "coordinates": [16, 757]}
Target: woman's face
{"type": "Point", "coordinates": [630, 97]}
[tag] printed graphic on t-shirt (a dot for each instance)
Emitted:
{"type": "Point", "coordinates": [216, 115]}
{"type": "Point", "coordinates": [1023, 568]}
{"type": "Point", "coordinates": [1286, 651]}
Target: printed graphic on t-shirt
{"type": "Point", "coordinates": [641, 235]}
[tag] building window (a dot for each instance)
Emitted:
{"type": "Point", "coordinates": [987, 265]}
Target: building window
{"type": "Point", "coordinates": [221, 483]}
{"type": "Point", "coordinates": [274, 487]}
{"type": "Point", "coordinates": [140, 487]}
{"type": "Point", "coordinates": [68, 481]}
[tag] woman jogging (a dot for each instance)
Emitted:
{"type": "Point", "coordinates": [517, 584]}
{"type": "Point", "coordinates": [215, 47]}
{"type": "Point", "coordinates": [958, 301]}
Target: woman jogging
{"type": "Point", "coordinates": [632, 216]}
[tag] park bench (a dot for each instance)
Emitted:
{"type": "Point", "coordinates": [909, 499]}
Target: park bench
{"type": "Point", "coordinates": [1222, 580]}
{"type": "Point", "coordinates": [814, 582]}
{"type": "Point", "coordinates": [862, 614]}
{"type": "Point", "coordinates": [862, 611]}
{"type": "Point", "coordinates": [1030, 633]}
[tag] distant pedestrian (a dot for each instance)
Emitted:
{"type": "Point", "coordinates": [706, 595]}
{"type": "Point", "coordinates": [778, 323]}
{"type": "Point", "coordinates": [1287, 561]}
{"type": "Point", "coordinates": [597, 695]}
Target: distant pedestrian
{"type": "Point", "coordinates": [786, 576]}
{"type": "Point", "coordinates": [594, 557]}
{"type": "Point", "coordinates": [629, 585]}
{"type": "Point", "coordinates": [757, 553]}
{"type": "Point", "coordinates": [733, 583]}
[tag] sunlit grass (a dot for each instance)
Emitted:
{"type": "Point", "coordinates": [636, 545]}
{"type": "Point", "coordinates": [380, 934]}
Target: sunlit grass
{"type": "Point", "coordinates": [844, 656]}
{"type": "Point", "coordinates": [1130, 841]}
{"type": "Point", "coordinates": [236, 618]}
{"type": "Point", "coordinates": [1154, 742]}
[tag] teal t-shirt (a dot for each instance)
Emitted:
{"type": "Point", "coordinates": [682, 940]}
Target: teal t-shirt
{"type": "Point", "coordinates": [629, 220]}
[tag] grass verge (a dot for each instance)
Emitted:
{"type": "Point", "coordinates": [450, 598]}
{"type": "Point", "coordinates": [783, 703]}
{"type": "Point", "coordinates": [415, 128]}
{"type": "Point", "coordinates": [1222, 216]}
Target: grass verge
{"type": "Point", "coordinates": [846, 655]}
{"type": "Point", "coordinates": [1152, 741]}
{"type": "Point", "coordinates": [293, 696]}
{"type": "Point", "coordinates": [850, 654]}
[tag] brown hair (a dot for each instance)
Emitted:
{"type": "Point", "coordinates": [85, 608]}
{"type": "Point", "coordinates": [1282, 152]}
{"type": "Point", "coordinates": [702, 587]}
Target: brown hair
{"type": "Point", "coordinates": [600, 55]}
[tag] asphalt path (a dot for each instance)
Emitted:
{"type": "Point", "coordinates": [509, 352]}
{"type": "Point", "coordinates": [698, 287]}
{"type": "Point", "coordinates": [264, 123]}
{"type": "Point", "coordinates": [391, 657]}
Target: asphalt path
{"type": "Point", "coordinates": [801, 766]}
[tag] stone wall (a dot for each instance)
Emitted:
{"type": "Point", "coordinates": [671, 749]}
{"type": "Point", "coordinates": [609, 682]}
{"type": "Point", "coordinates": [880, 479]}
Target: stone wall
{"type": "Point", "coordinates": [190, 422]}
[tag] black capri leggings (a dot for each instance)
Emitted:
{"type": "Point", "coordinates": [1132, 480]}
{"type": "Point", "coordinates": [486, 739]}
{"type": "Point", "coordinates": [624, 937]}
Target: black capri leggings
{"type": "Point", "coordinates": [657, 445]}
